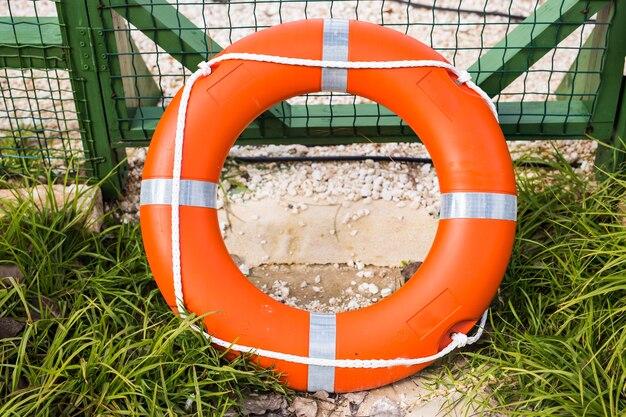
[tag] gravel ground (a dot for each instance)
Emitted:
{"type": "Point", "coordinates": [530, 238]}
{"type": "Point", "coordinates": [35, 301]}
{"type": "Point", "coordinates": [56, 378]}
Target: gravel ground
{"type": "Point", "coordinates": [411, 185]}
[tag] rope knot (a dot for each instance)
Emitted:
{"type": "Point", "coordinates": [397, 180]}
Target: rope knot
{"type": "Point", "coordinates": [205, 68]}
{"type": "Point", "coordinates": [460, 339]}
{"type": "Point", "coordinates": [463, 77]}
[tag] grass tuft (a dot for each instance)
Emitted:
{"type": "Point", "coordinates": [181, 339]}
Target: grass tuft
{"type": "Point", "coordinates": [98, 337]}
{"type": "Point", "coordinates": [558, 344]}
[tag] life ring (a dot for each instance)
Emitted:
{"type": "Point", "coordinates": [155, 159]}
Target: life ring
{"type": "Point", "coordinates": [474, 238]}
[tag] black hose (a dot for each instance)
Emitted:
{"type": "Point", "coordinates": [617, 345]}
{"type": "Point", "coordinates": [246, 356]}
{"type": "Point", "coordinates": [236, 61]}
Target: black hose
{"type": "Point", "coordinates": [330, 158]}
{"type": "Point", "coordinates": [377, 158]}
{"type": "Point", "coordinates": [460, 10]}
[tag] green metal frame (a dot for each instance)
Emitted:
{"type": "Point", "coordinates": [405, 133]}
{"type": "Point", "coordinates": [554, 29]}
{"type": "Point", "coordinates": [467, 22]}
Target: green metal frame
{"type": "Point", "coordinates": [98, 60]}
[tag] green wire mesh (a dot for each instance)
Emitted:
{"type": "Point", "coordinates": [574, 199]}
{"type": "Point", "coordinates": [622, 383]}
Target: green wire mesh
{"type": "Point", "coordinates": [461, 31]}
{"type": "Point", "coordinates": [152, 45]}
{"type": "Point", "coordinates": [39, 125]}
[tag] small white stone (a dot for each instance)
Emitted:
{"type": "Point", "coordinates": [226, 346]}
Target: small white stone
{"type": "Point", "coordinates": [352, 305]}
{"type": "Point", "coordinates": [283, 292]}
{"type": "Point", "coordinates": [317, 279]}
{"type": "Point", "coordinates": [364, 286]}
{"type": "Point", "coordinates": [352, 282]}
{"type": "Point", "coordinates": [301, 223]}
{"type": "Point", "coordinates": [354, 232]}
{"type": "Point", "coordinates": [316, 289]}
{"type": "Point", "coordinates": [263, 242]}
{"type": "Point", "coordinates": [245, 269]}
{"type": "Point", "coordinates": [264, 258]}
{"type": "Point", "coordinates": [332, 232]}
{"type": "Point", "coordinates": [316, 175]}
{"type": "Point", "coordinates": [373, 288]}
{"type": "Point", "coordinates": [303, 284]}
{"type": "Point", "coordinates": [359, 265]}
{"type": "Point", "coordinates": [385, 292]}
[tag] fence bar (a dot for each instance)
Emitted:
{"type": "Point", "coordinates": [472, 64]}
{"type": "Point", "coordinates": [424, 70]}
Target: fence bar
{"type": "Point", "coordinates": [21, 43]}
{"type": "Point", "coordinates": [89, 69]}
{"type": "Point", "coordinates": [611, 91]}
{"type": "Point", "coordinates": [530, 41]}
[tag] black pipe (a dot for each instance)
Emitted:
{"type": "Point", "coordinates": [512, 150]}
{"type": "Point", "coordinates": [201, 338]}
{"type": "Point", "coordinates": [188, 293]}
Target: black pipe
{"type": "Point", "coordinates": [460, 10]}
{"type": "Point", "coordinates": [377, 158]}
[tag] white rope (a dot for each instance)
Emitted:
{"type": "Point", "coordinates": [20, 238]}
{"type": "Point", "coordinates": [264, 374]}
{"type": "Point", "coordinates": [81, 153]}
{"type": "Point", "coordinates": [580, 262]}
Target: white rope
{"type": "Point", "coordinates": [459, 340]}
{"type": "Point", "coordinates": [463, 77]}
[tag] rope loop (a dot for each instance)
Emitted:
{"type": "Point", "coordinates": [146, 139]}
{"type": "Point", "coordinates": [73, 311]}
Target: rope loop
{"type": "Point", "coordinates": [205, 68]}
{"type": "Point", "coordinates": [463, 77]}
{"type": "Point", "coordinates": [460, 339]}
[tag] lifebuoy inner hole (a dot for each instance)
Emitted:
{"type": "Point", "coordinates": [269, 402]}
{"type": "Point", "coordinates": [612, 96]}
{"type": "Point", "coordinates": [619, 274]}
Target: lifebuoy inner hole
{"type": "Point", "coordinates": [273, 236]}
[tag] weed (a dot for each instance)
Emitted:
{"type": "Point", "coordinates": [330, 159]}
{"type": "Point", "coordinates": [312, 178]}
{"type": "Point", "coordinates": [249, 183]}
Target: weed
{"type": "Point", "coordinates": [108, 344]}
{"type": "Point", "coordinates": [21, 152]}
{"type": "Point", "coordinates": [558, 344]}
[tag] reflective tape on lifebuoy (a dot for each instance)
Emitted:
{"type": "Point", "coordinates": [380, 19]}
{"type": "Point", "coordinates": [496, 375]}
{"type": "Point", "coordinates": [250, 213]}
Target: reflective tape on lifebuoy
{"type": "Point", "coordinates": [472, 245]}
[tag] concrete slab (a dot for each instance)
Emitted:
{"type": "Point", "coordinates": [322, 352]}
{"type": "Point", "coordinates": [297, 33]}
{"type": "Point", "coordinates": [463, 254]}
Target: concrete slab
{"type": "Point", "coordinates": [379, 233]}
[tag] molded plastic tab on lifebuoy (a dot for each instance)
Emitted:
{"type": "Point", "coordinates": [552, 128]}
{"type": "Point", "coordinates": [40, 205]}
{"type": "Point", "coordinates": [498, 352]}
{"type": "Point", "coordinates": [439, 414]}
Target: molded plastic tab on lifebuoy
{"type": "Point", "coordinates": [456, 281]}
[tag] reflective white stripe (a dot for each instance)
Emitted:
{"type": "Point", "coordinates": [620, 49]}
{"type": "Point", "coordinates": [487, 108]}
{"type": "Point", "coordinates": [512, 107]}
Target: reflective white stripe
{"type": "Point", "coordinates": [478, 206]}
{"type": "Point", "coordinates": [322, 344]}
{"type": "Point", "coordinates": [335, 48]}
{"type": "Point", "coordinates": [192, 192]}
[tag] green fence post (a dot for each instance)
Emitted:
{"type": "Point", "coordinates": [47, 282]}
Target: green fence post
{"type": "Point", "coordinates": [83, 31]}
{"type": "Point", "coordinates": [607, 106]}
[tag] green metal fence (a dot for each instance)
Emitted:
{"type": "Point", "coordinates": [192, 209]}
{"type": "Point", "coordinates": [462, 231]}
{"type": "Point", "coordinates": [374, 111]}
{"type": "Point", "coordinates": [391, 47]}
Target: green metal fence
{"type": "Point", "coordinates": [83, 79]}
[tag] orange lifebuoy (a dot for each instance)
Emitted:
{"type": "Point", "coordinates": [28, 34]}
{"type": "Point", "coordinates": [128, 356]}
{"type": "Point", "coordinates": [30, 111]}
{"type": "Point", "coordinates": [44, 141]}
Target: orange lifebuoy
{"type": "Point", "coordinates": [474, 238]}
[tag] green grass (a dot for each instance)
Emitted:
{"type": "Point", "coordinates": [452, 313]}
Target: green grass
{"type": "Point", "coordinates": [556, 345]}
{"type": "Point", "coordinates": [558, 338]}
{"type": "Point", "coordinates": [21, 152]}
{"type": "Point", "coordinates": [98, 337]}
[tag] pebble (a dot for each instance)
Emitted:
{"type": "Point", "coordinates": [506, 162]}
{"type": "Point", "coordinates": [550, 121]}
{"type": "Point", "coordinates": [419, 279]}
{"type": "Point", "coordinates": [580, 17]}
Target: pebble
{"type": "Point", "coordinates": [317, 279]}
{"type": "Point", "coordinates": [385, 292]}
{"type": "Point", "coordinates": [245, 269]}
